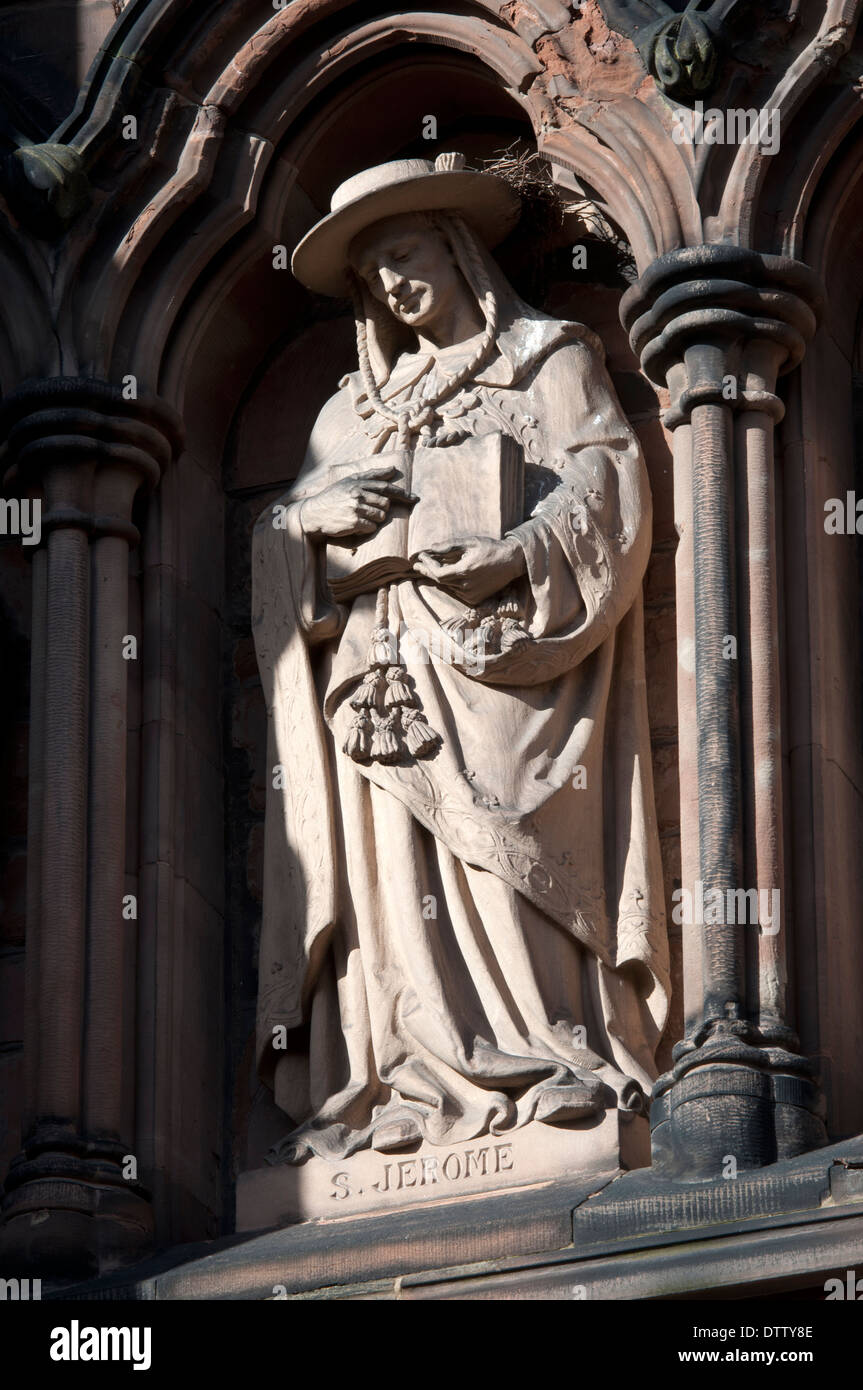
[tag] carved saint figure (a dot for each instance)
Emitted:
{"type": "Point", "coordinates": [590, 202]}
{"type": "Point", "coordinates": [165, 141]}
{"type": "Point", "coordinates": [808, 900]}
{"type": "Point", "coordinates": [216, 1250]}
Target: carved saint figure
{"type": "Point", "coordinates": [463, 930]}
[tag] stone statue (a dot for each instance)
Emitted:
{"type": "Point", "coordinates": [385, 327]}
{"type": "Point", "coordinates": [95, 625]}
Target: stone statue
{"type": "Point", "coordinates": [463, 929]}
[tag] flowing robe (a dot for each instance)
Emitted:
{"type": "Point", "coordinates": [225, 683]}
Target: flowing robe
{"type": "Point", "coordinates": [474, 940]}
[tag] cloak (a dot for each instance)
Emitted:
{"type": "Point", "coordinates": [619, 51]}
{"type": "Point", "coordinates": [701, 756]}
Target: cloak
{"type": "Point", "coordinates": [543, 775]}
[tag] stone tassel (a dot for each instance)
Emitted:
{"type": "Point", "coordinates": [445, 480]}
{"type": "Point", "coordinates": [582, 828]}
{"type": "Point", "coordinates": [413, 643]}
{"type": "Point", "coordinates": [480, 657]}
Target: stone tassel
{"type": "Point", "coordinates": [358, 742]}
{"type": "Point", "coordinates": [368, 695]}
{"type": "Point", "coordinates": [397, 691]}
{"type": "Point", "coordinates": [386, 722]}
{"type": "Point", "coordinates": [510, 631]}
{"type": "Point", "coordinates": [385, 743]}
{"type": "Point", "coordinates": [421, 739]}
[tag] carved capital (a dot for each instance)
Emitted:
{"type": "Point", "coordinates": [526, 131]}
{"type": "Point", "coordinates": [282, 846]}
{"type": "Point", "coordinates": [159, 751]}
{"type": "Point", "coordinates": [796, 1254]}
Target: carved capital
{"type": "Point", "coordinates": [88, 449]}
{"type": "Point", "coordinates": [717, 324]}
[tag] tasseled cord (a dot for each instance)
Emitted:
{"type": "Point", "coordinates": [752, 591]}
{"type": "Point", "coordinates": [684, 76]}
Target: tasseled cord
{"type": "Point", "coordinates": [358, 744]}
{"type": "Point", "coordinates": [385, 740]}
{"type": "Point", "coordinates": [420, 737]}
{"type": "Point", "coordinates": [387, 722]}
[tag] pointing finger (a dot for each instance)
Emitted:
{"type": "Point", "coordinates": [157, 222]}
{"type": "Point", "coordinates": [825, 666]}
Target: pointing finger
{"type": "Point", "coordinates": [390, 490]}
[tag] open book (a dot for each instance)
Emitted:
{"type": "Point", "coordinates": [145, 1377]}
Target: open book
{"type": "Point", "coordinates": [475, 488]}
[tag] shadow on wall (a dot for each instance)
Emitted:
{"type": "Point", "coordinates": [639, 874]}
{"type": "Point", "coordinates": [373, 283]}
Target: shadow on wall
{"type": "Point", "coordinates": [45, 52]}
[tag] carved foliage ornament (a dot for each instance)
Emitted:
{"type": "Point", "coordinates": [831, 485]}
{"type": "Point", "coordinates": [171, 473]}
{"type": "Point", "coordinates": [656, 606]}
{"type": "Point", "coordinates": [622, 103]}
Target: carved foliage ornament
{"type": "Point", "coordinates": [681, 49]}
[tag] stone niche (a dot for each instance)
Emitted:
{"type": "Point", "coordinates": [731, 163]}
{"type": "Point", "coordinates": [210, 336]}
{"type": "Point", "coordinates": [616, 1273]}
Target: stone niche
{"type": "Point", "coordinates": [266, 439]}
{"type": "Point", "coordinates": [246, 363]}
{"type": "Point", "coordinates": [275, 352]}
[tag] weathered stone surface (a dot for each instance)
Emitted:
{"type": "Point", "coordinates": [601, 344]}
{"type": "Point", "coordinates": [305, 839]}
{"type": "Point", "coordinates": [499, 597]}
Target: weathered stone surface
{"type": "Point", "coordinates": [245, 120]}
{"type": "Point", "coordinates": [634, 1236]}
{"type": "Point", "coordinates": [537, 1155]}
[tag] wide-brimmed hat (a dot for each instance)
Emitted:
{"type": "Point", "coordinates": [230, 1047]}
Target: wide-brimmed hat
{"type": "Point", "coordinates": [487, 202]}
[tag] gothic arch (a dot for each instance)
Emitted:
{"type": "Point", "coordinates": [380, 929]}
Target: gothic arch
{"type": "Point", "coordinates": [218, 111]}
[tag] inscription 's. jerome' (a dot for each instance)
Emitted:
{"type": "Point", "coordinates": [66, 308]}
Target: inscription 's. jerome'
{"type": "Point", "coordinates": [424, 1171]}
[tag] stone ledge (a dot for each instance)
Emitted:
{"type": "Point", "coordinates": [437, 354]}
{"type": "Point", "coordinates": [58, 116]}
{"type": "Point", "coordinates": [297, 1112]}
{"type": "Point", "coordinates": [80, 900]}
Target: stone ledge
{"type": "Point", "coordinates": [673, 1240]}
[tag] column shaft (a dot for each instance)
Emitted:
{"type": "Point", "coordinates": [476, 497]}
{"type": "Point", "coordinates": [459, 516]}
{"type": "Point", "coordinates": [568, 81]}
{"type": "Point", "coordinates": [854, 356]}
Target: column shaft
{"type": "Point", "coordinates": [64, 828]}
{"type": "Point", "coordinates": [106, 934]}
{"type": "Point", "coordinates": [763, 801]}
{"type": "Point", "coordinates": [35, 803]}
{"type": "Point", "coordinates": [717, 705]}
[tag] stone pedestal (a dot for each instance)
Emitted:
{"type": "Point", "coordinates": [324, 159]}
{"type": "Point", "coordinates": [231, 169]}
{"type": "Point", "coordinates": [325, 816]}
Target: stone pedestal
{"type": "Point", "coordinates": [529, 1158]}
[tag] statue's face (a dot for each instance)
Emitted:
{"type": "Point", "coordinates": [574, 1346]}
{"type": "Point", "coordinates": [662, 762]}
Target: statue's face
{"type": "Point", "coordinates": [409, 266]}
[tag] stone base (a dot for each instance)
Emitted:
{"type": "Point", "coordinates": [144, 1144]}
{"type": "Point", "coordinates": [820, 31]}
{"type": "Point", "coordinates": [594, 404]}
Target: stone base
{"type": "Point", "coordinates": [67, 1208]}
{"type": "Point", "coordinates": [716, 1112]}
{"type": "Point", "coordinates": [429, 1174]}
{"type": "Point", "coordinates": [59, 1228]}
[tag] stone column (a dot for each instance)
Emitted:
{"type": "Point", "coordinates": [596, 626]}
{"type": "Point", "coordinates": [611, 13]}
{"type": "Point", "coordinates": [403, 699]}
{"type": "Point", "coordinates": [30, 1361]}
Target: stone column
{"type": "Point", "coordinates": [70, 1204]}
{"type": "Point", "coordinates": [716, 325]}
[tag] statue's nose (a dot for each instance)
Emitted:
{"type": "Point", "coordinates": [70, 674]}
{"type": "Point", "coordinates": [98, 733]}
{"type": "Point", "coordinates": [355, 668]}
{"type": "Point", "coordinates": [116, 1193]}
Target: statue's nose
{"type": "Point", "coordinates": [391, 279]}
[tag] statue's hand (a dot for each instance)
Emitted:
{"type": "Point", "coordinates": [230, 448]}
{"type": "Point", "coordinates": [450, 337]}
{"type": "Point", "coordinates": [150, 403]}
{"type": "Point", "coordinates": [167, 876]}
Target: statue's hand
{"type": "Point", "coordinates": [354, 505]}
{"type": "Point", "coordinates": [473, 570]}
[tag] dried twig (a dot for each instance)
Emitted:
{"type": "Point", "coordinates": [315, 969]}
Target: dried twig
{"type": "Point", "coordinates": [546, 206]}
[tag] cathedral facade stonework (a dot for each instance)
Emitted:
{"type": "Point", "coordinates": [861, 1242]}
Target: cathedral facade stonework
{"type": "Point", "coordinates": [430, 597]}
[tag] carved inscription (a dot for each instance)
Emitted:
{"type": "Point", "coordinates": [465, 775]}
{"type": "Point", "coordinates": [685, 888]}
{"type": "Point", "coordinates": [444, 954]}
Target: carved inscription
{"type": "Point", "coordinates": [455, 1167]}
